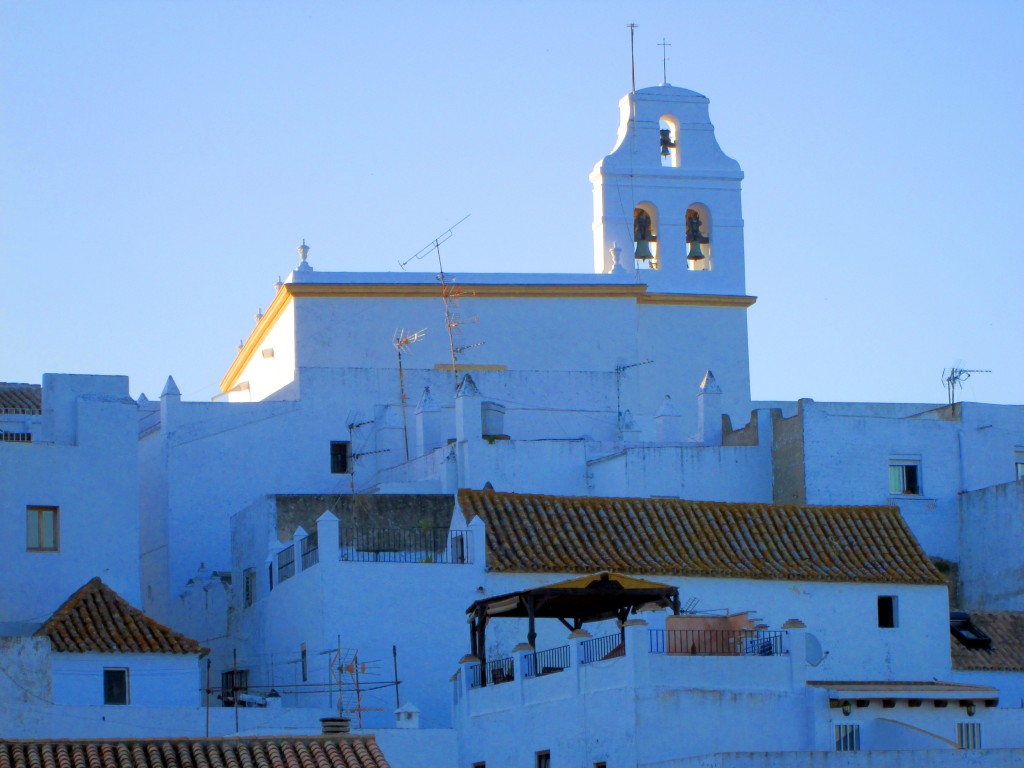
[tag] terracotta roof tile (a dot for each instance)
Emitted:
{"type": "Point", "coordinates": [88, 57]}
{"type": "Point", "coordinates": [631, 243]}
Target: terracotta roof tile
{"type": "Point", "coordinates": [21, 398]}
{"type": "Point", "coordinates": [284, 752]}
{"type": "Point", "coordinates": [1006, 628]}
{"type": "Point", "coordinates": [96, 618]}
{"type": "Point", "coordinates": [565, 534]}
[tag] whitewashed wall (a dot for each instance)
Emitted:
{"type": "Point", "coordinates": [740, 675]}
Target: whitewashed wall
{"type": "Point", "coordinates": [84, 461]}
{"type": "Point", "coordinates": [154, 679]}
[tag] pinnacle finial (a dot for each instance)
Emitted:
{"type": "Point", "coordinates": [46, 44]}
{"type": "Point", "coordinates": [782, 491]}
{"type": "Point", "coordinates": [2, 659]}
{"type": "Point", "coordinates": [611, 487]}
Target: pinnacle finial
{"type": "Point", "coordinates": [303, 253]}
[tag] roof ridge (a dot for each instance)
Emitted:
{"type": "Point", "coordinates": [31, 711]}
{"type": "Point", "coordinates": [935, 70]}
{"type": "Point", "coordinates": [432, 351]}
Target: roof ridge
{"type": "Point", "coordinates": [529, 532]}
{"type": "Point", "coordinates": [96, 618]}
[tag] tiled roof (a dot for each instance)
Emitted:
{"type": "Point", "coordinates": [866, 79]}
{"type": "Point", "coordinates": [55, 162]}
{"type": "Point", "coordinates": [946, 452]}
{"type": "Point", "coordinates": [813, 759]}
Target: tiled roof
{"type": "Point", "coordinates": [21, 397]}
{"type": "Point", "coordinates": [96, 618]}
{"type": "Point", "coordinates": [1006, 628]}
{"type": "Point", "coordinates": [284, 752]}
{"type": "Point", "coordinates": [564, 534]}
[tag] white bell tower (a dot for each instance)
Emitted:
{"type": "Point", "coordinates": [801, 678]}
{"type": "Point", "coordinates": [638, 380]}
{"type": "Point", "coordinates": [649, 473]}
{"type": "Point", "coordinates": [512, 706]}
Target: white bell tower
{"type": "Point", "coordinates": [668, 198]}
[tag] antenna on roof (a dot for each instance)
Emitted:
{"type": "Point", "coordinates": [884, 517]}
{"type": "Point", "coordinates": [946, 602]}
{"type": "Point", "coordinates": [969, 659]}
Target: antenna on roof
{"type": "Point", "coordinates": [955, 377]}
{"type": "Point", "coordinates": [619, 369]}
{"type": "Point", "coordinates": [402, 342]}
{"type": "Point", "coordinates": [449, 295]}
{"type": "Point", "coordinates": [632, 60]}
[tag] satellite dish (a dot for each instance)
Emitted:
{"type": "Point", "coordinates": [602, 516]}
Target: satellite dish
{"type": "Point", "coordinates": [814, 652]}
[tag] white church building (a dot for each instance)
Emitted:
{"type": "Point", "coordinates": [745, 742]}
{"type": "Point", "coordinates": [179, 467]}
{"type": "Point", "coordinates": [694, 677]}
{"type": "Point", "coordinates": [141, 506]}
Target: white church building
{"type": "Point", "coordinates": [324, 525]}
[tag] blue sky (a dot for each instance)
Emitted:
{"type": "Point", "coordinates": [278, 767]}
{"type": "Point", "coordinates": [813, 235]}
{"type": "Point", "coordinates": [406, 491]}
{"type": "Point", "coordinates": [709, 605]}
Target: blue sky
{"type": "Point", "coordinates": [160, 162]}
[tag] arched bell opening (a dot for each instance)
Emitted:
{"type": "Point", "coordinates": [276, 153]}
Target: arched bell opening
{"type": "Point", "coordinates": [698, 238]}
{"type": "Point", "coordinates": [668, 128]}
{"type": "Point", "coordinates": [645, 235]}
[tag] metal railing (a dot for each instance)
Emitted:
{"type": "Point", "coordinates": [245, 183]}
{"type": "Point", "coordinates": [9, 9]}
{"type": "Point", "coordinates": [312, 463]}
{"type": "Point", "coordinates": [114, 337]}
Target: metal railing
{"type": "Point", "coordinates": [492, 673]}
{"type": "Point", "coordinates": [310, 551]}
{"type": "Point", "coordinates": [15, 437]}
{"type": "Point", "coordinates": [406, 545]}
{"type": "Point", "coordinates": [601, 648]}
{"type": "Point", "coordinates": [546, 662]}
{"type": "Point", "coordinates": [286, 563]}
{"type": "Point", "coordinates": [717, 642]}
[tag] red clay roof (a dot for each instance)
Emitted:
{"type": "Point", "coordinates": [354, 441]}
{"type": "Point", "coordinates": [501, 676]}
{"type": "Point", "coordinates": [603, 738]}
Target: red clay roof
{"type": "Point", "coordinates": [96, 618]}
{"type": "Point", "coordinates": [566, 534]}
{"type": "Point", "coordinates": [22, 398]}
{"type": "Point", "coordinates": [283, 752]}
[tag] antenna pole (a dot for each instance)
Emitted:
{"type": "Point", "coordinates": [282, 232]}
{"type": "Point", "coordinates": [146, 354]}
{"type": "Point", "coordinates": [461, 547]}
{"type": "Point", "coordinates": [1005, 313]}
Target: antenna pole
{"type": "Point", "coordinates": [632, 60]}
{"type": "Point", "coordinates": [664, 61]}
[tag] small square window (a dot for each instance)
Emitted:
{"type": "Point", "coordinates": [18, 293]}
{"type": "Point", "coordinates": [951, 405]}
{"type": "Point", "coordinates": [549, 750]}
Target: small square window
{"type": "Point", "coordinates": [968, 735]}
{"type": "Point", "coordinates": [115, 686]}
{"type": "Point", "coordinates": [544, 759]}
{"type": "Point", "coordinates": [341, 454]}
{"type": "Point", "coordinates": [42, 526]}
{"type": "Point", "coordinates": [887, 611]}
{"type": "Point", "coordinates": [904, 478]}
{"type": "Point", "coordinates": [847, 738]}
{"type": "Point", "coordinates": [480, 765]}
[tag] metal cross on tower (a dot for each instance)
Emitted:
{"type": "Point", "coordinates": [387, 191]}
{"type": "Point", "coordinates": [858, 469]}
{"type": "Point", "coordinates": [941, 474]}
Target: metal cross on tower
{"type": "Point", "coordinates": [664, 60]}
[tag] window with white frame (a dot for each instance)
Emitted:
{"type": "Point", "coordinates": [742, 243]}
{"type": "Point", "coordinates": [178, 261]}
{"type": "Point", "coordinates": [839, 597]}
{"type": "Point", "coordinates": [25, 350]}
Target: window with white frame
{"type": "Point", "coordinates": [847, 738]}
{"type": "Point", "coordinates": [115, 685]}
{"type": "Point", "coordinates": [904, 476]}
{"type": "Point", "coordinates": [968, 735]}
{"type": "Point", "coordinates": [42, 526]}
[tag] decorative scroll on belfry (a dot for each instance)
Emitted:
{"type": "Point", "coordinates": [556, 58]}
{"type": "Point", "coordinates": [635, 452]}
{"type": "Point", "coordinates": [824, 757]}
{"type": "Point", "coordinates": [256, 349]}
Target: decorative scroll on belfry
{"type": "Point", "coordinates": [694, 236]}
{"type": "Point", "coordinates": [642, 235]}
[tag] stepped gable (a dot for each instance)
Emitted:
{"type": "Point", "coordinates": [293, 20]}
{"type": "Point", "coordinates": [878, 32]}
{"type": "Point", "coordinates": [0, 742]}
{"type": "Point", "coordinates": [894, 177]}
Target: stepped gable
{"type": "Point", "coordinates": [96, 618]}
{"type": "Point", "coordinates": [21, 397]}
{"type": "Point", "coordinates": [282, 752]}
{"type": "Point", "coordinates": [566, 534]}
{"type": "Point", "coordinates": [1006, 654]}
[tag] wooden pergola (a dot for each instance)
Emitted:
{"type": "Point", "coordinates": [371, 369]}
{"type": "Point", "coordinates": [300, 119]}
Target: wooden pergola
{"type": "Point", "coordinates": [575, 602]}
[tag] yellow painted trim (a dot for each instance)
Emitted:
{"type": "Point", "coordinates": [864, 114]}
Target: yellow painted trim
{"type": "Point", "coordinates": [448, 367]}
{"type": "Point", "coordinates": [288, 291]}
{"type": "Point", "coordinates": [256, 337]}
{"type": "Point", "coordinates": [696, 300]}
{"type": "Point", "coordinates": [466, 290]}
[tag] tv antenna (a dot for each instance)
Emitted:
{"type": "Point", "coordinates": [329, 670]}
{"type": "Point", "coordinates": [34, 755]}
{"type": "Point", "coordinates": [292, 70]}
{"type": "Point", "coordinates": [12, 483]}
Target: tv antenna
{"type": "Point", "coordinates": [619, 370]}
{"type": "Point", "coordinates": [955, 377]}
{"type": "Point", "coordinates": [403, 341]}
{"type": "Point", "coordinates": [449, 295]}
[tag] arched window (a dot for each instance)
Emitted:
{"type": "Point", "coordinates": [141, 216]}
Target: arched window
{"type": "Point", "coordinates": [698, 238]}
{"type": "Point", "coordinates": [669, 129]}
{"type": "Point", "coordinates": [645, 234]}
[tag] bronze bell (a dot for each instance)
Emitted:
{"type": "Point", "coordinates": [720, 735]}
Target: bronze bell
{"type": "Point", "coordinates": [666, 142]}
{"type": "Point", "coordinates": [695, 254]}
{"type": "Point", "coordinates": [643, 251]}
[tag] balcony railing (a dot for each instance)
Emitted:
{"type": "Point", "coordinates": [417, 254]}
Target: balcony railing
{"type": "Point", "coordinates": [406, 545]}
{"type": "Point", "coordinates": [602, 648]}
{"type": "Point", "coordinates": [492, 673]}
{"type": "Point", "coordinates": [716, 642]}
{"type": "Point", "coordinates": [310, 551]}
{"type": "Point", "coordinates": [286, 563]}
{"type": "Point", "coordinates": [546, 662]}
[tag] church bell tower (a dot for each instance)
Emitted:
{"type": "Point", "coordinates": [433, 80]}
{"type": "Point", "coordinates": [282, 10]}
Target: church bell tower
{"type": "Point", "coordinates": [667, 199]}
